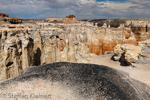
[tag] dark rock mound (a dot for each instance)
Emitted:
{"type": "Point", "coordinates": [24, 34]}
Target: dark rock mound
{"type": "Point", "coordinates": [113, 23]}
{"type": "Point", "coordinates": [87, 81]}
{"type": "Point", "coordinates": [11, 20]}
{"type": "Point", "coordinates": [14, 20]}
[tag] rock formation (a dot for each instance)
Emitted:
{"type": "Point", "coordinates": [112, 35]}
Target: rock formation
{"type": "Point", "coordinates": [129, 54]}
{"type": "Point", "coordinates": [69, 20]}
{"type": "Point", "coordinates": [104, 39]}
{"type": "Point", "coordinates": [6, 19]}
{"type": "Point", "coordinates": [39, 43]}
{"type": "Point", "coordinates": [14, 20]}
{"type": "Point", "coordinates": [144, 57]}
{"type": "Point", "coordinates": [52, 19]}
{"type": "Point", "coordinates": [70, 16]}
{"type": "Point", "coordinates": [10, 20]}
{"type": "Point", "coordinates": [24, 47]}
{"type": "Point", "coordinates": [62, 80]}
{"type": "Point", "coordinates": [3, 15]}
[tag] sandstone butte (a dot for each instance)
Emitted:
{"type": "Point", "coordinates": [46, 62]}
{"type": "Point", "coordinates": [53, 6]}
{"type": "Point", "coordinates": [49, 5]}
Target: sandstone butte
{"type": "Point", "coordinates": [70, 20]}
{"type": "Point", "coordinates": [70, 16]}
{"type": "Point", "coordinates": [3, 15]}
{"type": "Point", "coordinates": [32, 44]}
{"type": "Point", "coordinates": [10, 20]}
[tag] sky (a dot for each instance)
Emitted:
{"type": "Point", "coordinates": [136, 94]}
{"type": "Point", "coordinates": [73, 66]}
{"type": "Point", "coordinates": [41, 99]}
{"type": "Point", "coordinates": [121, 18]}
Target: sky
{"type": "Point", "coordinates": [82, 9]}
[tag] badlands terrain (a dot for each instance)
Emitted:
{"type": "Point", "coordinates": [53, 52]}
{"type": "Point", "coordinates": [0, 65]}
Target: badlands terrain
{"type": "Point", "coordinates": [94, 59]}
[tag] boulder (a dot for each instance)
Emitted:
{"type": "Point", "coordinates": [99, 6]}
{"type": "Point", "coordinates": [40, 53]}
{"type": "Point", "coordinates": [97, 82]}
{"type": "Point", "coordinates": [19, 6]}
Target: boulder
{"type": "Point", "coordinates": [127, 53]}
{"type": "Point", "coordinates": [73, 81]}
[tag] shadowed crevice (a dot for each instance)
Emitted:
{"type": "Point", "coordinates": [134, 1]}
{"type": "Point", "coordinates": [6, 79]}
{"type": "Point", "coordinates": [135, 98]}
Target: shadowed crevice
{"type": "Point", "coordinates": [37, 57]}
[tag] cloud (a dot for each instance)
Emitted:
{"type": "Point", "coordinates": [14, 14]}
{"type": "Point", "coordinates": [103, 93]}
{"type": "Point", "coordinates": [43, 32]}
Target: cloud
{"type": "Point", "coordinates": [140, 1]}
{"type": "Point", "coordinates": [82, 9]}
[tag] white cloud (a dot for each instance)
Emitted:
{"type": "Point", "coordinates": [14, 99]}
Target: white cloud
{"type": "Point", "coordinates": [140, 1]}
{"type": "Point", "coordinates": [80, 8]}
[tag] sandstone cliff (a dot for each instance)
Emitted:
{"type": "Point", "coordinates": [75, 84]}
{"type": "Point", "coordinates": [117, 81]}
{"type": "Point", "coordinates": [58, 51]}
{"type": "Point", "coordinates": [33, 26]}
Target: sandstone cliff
{"type": "Point", "coordinates": [21, 48]}
{"type": "Point", "coordinates": [29, 44]}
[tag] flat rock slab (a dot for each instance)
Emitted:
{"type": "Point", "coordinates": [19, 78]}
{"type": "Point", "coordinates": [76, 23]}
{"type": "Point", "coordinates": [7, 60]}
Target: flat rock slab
{"type": "Point", "coordinates": [73, 81]}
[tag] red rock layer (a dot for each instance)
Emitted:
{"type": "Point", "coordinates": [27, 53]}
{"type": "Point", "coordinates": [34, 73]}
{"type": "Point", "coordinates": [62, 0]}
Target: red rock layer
{"type": "Point", "coordinates": [127, 41]}
{"type": "Point", "coordinates": [70, 16]}
{"type": "Point", "coordinates": [127, 33]}
{"type": "Point", "coordinates": [61, 45]}
{"type": "Point", "coordinates": [95, 48]}
{"type": "Point", "coordinates": [108, 46]}
{"type": "Point", "coordinates": [3, 15]}
{"type": "Point", "coordinates": [137, 36]}
{"type": "Point", "coordinates": [69, 20]}
{"type": "Point", "coordinates": [104, 46]}
{"type": "Point", "coordinates": [101, 47]}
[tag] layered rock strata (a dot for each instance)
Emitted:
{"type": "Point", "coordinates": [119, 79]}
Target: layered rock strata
{"type": "Point", "coordinates": [30, 44]}
{"type": "Point", "coordinates": [21, 48]}
{"type": "Point", "coordinates": [139, 27]}
{"type": "Point", "coordinates": [104, 39]}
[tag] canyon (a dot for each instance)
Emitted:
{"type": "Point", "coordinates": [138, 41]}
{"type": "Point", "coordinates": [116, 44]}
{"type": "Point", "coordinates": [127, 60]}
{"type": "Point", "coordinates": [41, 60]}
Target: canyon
{"type": "Point", "coordinates": [33, 42]}
{"type": "Point", "coordinates": [65, 58]}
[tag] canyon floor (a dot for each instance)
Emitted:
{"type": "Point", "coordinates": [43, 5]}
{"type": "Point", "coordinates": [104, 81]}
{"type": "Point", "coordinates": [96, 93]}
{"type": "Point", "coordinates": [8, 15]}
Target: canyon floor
{"type": "Point", "coordinates": [141, 72]}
